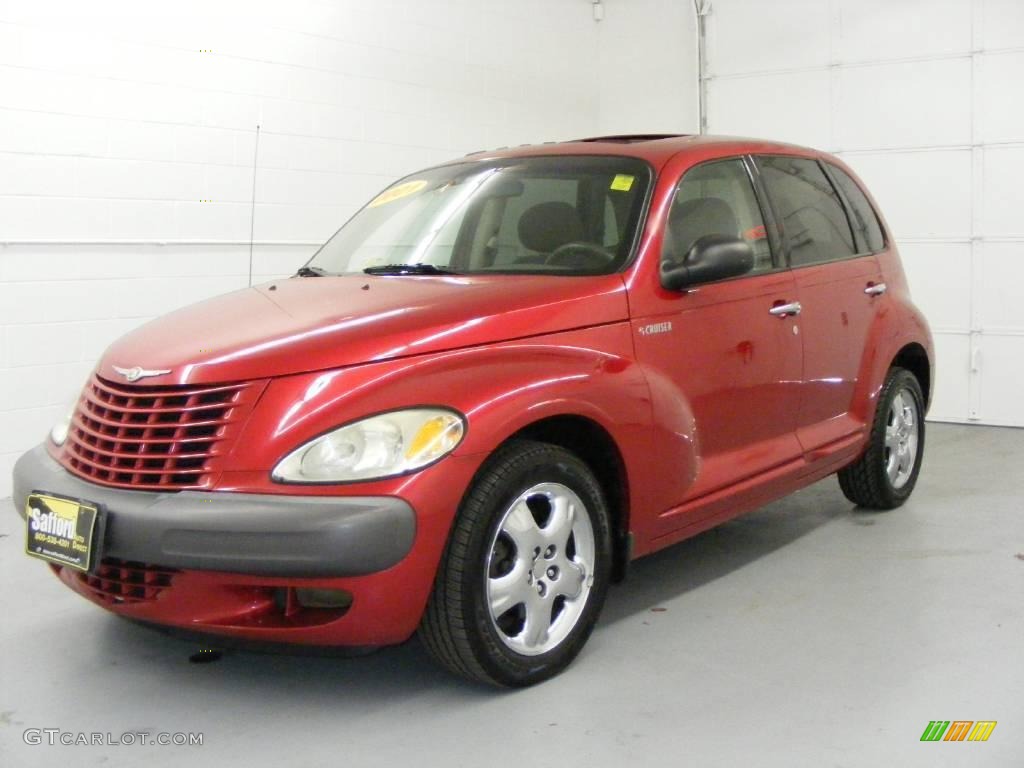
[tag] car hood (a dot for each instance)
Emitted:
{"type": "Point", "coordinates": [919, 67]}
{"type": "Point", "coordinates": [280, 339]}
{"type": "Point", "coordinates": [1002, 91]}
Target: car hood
{"type": "Point", "coordinates": [316, 323]}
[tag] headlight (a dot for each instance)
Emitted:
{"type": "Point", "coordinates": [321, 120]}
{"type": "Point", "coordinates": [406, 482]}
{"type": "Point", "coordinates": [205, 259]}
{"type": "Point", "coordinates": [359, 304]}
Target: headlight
{"type": "Point", "coordinates": [59, 431]}
{"type": "Point", "coordinates": [381, 446]}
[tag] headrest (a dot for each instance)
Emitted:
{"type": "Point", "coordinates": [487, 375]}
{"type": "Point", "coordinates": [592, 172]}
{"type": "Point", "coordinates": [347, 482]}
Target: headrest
{"type": "Point", "coordinates": [547, 226]}
{"type": "Point", "coordinates": [690, 221]}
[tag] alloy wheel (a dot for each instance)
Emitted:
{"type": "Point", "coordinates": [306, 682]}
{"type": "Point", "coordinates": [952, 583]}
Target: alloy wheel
{"type": "Point", "coordinates": [540, 568]}
{"type": "Point", "coordinates": [901, 436]}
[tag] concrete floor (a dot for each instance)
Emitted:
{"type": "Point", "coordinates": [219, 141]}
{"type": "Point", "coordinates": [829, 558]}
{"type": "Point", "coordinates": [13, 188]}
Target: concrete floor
{"type": "Point", "coordinates": [805, 634]}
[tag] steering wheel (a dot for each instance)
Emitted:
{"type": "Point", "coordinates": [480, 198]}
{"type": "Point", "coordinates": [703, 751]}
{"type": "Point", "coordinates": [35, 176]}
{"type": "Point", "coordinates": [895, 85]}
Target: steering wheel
{"type": "Point", "coordinates": [581, 255]}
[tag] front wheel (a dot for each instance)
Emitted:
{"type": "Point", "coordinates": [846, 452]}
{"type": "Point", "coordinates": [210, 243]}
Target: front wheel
{"type": "Point", "coordinates": [884, 477]}
{"type": "Point", "coordinates": [525, 571]}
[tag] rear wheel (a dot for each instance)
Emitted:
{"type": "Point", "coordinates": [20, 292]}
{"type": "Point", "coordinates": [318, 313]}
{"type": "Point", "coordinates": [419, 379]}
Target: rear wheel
{"type": "Point", "coordinates": [884, 477]}
{"type": "Point", "coordinates": [526, 569]}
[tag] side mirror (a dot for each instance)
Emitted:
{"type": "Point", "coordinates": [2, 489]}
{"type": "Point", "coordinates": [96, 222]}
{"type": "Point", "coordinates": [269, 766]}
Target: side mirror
{"type": "Point", "coordinates": [712, 257]}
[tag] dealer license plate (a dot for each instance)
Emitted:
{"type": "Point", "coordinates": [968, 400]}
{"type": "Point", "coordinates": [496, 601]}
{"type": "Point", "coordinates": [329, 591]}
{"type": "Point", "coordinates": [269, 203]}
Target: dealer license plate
{"type": "Point", "coordinates": [60, 530]}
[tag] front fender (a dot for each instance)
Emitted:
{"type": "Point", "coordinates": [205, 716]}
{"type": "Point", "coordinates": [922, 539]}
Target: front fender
{"type": "Point", "coordinates": [500, 388]}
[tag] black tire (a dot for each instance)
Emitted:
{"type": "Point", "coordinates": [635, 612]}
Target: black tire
{"type": "Point", "coordinates": [867, 482]}
{"type": "Point", "coordinates": [457, 626]}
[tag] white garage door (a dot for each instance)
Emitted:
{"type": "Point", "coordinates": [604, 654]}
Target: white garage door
{"type": "Point", "coordinates": [925, 100]}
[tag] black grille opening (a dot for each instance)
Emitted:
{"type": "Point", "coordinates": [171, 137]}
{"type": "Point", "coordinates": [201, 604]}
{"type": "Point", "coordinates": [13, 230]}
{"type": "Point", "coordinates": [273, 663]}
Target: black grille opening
{"type": "Point", "coordinates": [119, 582]}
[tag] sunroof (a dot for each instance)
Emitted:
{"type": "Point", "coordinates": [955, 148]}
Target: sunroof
{"type": "Point", "coordinates": [634, 138]}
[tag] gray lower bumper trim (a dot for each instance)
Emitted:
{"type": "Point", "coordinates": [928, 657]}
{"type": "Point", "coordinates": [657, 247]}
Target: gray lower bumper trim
{"type": "Point", "coordinates": [257, 534]}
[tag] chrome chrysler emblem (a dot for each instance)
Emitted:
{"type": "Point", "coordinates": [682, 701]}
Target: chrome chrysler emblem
{"type": "Point", "coordinates": [136, 373]}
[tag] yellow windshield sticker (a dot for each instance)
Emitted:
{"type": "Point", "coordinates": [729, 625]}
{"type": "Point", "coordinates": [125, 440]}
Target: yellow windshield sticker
{"type": "Point", "coordinates": [397, 193]}
{"type": "Point", "coordinates": [622, 182]}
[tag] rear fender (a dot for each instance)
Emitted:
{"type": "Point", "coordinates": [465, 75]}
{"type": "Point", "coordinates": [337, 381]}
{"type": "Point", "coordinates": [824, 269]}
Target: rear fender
{"type": "Point", "coordinates": [898, 323]}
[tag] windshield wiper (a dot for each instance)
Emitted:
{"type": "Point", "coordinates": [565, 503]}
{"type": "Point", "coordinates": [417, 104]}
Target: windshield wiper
{"type": "Point", "coordinates": [310, 272]}
{"type": "Point", "coordinates": [408, 269]}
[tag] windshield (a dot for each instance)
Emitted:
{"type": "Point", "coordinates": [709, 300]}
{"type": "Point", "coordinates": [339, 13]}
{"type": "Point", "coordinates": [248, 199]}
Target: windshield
{"type": "Point", "coordinates": [551, 215]}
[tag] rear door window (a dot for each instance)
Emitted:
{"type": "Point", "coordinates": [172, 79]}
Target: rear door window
{"type": "Point", "coordinates": [809, 212]}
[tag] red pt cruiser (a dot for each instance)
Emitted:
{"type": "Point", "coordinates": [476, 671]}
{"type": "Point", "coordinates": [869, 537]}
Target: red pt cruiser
{"type": "Point", "coordinates": [498, 383]}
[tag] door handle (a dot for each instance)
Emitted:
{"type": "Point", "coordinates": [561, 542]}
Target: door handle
{"type": "Point", "coordinates": [876, 289]}
{"type": "Point", "coordinates": [782, 310]}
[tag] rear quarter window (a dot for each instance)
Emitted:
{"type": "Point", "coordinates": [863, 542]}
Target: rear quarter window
{"type": "Point", "coordinates": [864, 219]}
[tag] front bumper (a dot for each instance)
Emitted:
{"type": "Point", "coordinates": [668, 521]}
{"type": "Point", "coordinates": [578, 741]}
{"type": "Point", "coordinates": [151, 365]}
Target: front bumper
{"type": "Point", "coordinates": [241, 533]}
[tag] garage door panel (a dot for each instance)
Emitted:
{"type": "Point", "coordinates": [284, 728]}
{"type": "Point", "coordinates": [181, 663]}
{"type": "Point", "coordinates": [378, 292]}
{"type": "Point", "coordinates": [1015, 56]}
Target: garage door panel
{"type": "Point", "coordinates": [1002, 204]}
{"type": "Point", "coordinates": [1002, 23]}
{"type": "Point", "coordinates": [736, 104]}
{"type": "Point", "coordinates": [1000, 291]}
{"type": "Point", "coordinates": [737, 32]}
{"type": "Point", "coordinates": [909, 104]}
{"type": "Point", "coordinates": [908, 28]}
{"type": "Point", "coordinates": [1001, 112]}
{"type": "Point", "coordinates": [1002, 367]}
{"type": "Point", "coordinates": [922, 194]}
{"type": "Point", "coordinates": [923, 99]}
{"type": "Point", "coordinates": [952, 366]}
{"type": "Point", "coordinates": [937, 273]}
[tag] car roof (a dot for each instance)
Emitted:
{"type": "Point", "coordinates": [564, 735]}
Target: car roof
{"type": "Point", "coordinates": [655, 148]}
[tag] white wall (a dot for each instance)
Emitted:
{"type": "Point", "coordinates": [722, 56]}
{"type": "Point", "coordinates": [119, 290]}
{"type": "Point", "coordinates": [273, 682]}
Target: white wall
{"type": "Point", "coordinates": [128, 133]}
{"type": "Point", "coordinates": [922, 98]}
{"type": "Point", "coordinates": [117, 128]}
{"type": "Point", "coordinates": [647, 71]}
